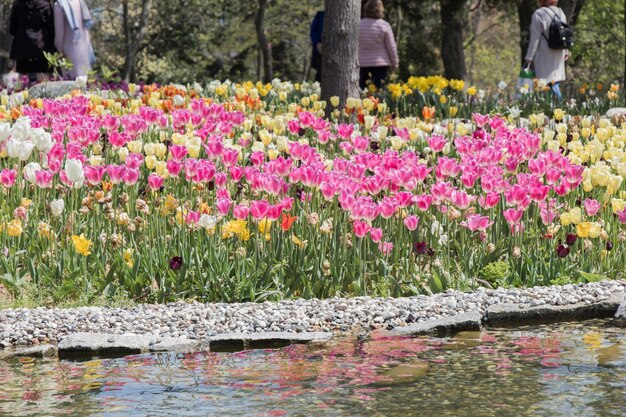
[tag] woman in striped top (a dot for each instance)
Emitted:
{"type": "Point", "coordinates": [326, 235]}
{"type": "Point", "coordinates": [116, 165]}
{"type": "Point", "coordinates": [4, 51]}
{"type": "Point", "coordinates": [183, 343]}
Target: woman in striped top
{"type": "Point", "coordinates": [377, 46]}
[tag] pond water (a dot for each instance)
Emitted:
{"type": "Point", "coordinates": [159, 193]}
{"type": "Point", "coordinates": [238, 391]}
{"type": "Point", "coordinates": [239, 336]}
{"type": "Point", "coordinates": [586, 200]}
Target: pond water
{"type": "Point", "coordinates": [571, 369]}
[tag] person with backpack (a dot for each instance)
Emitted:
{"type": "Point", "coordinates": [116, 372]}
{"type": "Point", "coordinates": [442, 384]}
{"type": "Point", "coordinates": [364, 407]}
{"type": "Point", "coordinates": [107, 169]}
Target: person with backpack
{"type": "Point", "coordinates": [550, 40]}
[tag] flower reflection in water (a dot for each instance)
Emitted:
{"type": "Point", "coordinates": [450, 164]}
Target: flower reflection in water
{"type": "Point", "coordinates": [524, 372]}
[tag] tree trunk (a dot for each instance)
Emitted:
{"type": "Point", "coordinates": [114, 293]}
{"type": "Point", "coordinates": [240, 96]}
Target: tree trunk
{"type": "Point", "coordinates": [525, 13]}
{"type": "Point", "coordinates": [133, 40]}
{"type": "Point", "coordinates": [264, 45]}
{"type": "Point", "coordinates": [340, 53]}
{"type": "Point", "coordinates": [571, 8]}
{"type": "Point", "coordinates": [452, 23]}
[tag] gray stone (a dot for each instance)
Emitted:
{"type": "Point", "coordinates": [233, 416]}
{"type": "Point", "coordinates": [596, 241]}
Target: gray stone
{"type": "Point", "coordinates": [620, 316]}
{"type": "Point", "coordinates": [175, 344]}
{"type": "Point", "coordinates": [516, 314]}
{"type": "Point", "coordinates": [441, 327]}
{"type": "Point", "coordinates": [39, 351]}
{"type": "Point", "coordinates": [52, 89]}
{"type": "Point", "coordinates": [261, 340]}
{"type": "Point", "coordinates": [81, 343]}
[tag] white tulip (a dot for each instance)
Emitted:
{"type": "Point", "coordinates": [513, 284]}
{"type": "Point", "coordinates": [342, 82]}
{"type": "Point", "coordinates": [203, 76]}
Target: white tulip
{"type": "Point", "coordinates": [25, 150]}
{"type": "Point", "coordinates": [57, 206]}
{"type": "Point", "coordinates": [16, 99]}
{"type": "Point", "coordinates": [5, 131]}
{"type": "Point", "coordinates": [81, 81]}
{"type": "Point", "coordinates": [29, 171]}
{"type": "Point", "coordinates": [179, 100]}
{"type": "Point", "coordinates": [74, 170]}
{"type": "Point", "coordinates": [19, 149]}
{"type": "Point", "coordinates": [21, 129]}
{"type": "Point", "coordinates": [41, 139]}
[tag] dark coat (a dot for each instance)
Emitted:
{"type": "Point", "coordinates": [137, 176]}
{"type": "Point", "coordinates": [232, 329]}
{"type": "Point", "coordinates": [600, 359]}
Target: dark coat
{"type": "Point", "coordinates": [32, 26]}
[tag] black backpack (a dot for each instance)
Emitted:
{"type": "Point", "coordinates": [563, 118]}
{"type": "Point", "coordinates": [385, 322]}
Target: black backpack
{"type": "Point", "coordinates": [560, 34]}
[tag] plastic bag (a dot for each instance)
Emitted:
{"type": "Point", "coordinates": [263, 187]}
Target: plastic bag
{"type": "Point", "coordinates": [525, 82]}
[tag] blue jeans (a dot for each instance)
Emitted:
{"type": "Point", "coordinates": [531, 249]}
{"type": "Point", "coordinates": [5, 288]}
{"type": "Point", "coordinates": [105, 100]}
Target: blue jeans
{"type": "Point", "coordinates": [556, 90]}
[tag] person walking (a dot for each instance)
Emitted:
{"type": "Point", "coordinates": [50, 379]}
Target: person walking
{"type": "Point", "coordinates": [32, 27]}
{"type": "Point", "coordinates": [549, 64]}
{"type": "Point", "coordinates": [317, 27]}
{"type": "Point", "coordinates": [72, 21]}
{"type": "Point", "coordinates": [377, 46]}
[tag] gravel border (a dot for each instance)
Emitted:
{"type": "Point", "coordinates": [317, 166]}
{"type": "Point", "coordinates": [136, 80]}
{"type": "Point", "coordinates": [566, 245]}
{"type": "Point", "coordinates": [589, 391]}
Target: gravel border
{"type": "Point", "coordinates": [195, 325]}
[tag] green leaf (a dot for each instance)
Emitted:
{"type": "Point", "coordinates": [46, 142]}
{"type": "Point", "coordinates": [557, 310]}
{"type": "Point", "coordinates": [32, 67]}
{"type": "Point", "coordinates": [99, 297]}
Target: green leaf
{"type": "Point", "coordinates": [589, 277]}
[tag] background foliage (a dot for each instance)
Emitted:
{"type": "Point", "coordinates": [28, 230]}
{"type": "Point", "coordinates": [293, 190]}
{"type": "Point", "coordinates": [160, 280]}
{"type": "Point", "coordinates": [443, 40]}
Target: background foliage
{"type": "Point", "coordinates": [201, 40]}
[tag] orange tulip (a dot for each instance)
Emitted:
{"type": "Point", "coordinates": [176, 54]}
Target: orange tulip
{"type": "Point", "coordinates": [287, 221]}
{"type": "Point", "coordinates": [16, 112]}
{"type": "Point", "coordinates": [428, 112]}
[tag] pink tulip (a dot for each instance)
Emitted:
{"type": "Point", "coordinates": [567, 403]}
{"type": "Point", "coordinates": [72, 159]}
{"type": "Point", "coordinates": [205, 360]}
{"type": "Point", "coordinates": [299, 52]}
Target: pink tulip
{"type": "Point", "coordinates": [236, 172]}
{"type": "Point", "coordinates": [230, 156]}
{"type": "Point", "coordinates": [223, 206]}
{"type": "Point", "coordinates": [155, 181]}
{"type": "Point", "coordinates": [293, 126]}
{"type": "Point", "coordinates": [517, 229]}
{"type": "Point", "coordinates": [94, 174]}
{"type": "Point", "coordinates": [20, 213]}
{"type": "Point", "coordinates": [480, 120]}
{"type": "Point", "coordinates": [116, 173]}
{"type": "Point", "coordinates": [178, 152]}
{"type": "Point", "coordinates": [328, 189]}
{"type": "Point", "coordinates": [190, 166]}
{"type": "Point", "coordinates": [257, 158]}
{"type": "Point", "coordinates": [173, 167]}
{"type": "Point", "coordinates": [411, 222]}
{"type": "Point", "coordinates": [259, 209]}
{"type": "Point", "coordinates": [360, 228]}
{"type": "Point", "coordinates": [477, 222]}
{"type": "Point", "coordinates": [134, 160]}
{"type": "Point", "coordinates": [214, 149]}
{"type": "Point", "coordinates": [376, 234]}
{"type": "Point", "coordinates": [385, 247]}
{"type": "Point", "coordinates": [489, 201]}
{"type": "Point", "coordinates": [462, 200]}
{"type": "Point", "coordinates": [345, 130]}
{"type": "Point", "coordinates": [131, 176]}
{"type": "Point", "coordinates": [437, 142]}
{"type": "Point", "coordinates": [240, 212]}
{"type": "Point", "coordinates": [43, 178]}
{"type": "Point", "coordinates": [220, 180]}
{"type": "Point", "coordinates": [387, 207]}
{"type": "Point", "coordinates": [621, 215]}
{"type": "Point", "coordinates": [274, 212]}
{"type": "Point", "coordinates": [538, 192]}
{"type": "Point", "coordinates": [591, 206]}
{"type": "Point", "coordinates": [513, 216]}
{"type": "Point", "coordinates": [192, 217]}
{"type": "Point", "coordinates": [7, 177]}
{"type": "Point", "coordinates": [423, 202]}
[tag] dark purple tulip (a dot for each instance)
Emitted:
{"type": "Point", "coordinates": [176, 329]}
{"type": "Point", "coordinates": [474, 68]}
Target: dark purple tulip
{"type": "Point", "coordinates": [430, 252]}
{"type": "Point", "coordinates": [570, 239]}
{"type": "Point", "coordinates": [420, 248]}
{"type": "Point", "coordinates": [562, 251]}
{"type": "Point", "coordinates": [609, 245]}
{"type": "Point", "coordinates": [176, 263]}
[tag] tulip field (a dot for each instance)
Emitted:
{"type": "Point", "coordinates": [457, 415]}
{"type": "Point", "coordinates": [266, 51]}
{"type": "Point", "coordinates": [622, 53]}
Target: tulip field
{"type": "Point", "coordinates": [232, 192]}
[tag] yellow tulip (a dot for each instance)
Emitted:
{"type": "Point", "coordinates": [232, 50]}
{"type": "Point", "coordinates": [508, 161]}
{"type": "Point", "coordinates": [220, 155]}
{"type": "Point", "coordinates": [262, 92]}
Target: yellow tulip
{"type": "Point", "coordinates": [82, 244]}
{"type": "Point", "coordinates": [14, 228]}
